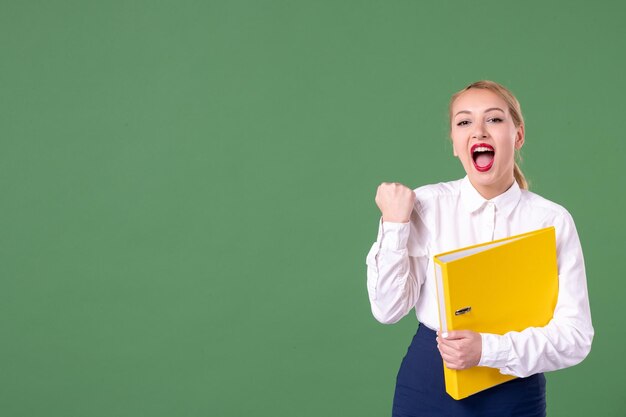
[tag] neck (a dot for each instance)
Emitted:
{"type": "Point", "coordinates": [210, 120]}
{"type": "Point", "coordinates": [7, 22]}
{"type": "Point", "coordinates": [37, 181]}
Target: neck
{"type": "Point", "coordinates": [489, 192]}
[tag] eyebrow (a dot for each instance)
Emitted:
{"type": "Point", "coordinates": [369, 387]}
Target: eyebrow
{"type": "Point", "coordinates": [489, 109]}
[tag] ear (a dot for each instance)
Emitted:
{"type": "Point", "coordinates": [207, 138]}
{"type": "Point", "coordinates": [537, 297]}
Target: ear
{"type": "Point", "coordinates": [519, 137]}
{"type": "Point", "coordinates": [453, 148]}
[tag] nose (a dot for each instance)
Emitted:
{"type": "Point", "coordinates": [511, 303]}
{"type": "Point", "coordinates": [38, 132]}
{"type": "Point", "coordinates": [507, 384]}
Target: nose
{"type": "Point", "coordinates": [479, 131]}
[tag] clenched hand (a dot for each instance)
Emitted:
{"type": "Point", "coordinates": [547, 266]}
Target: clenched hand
{"type": "Point", "coordinates": [395, 202]}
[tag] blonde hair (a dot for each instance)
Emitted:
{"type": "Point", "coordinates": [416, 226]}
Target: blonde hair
{"type": "Point", "coordinates": [514, 109]}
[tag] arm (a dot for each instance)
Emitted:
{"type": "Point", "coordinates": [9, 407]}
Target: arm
{"type": "Point", "coordinates": [396, 263]}
{"type": "Point", "coordinates": [566, 340]}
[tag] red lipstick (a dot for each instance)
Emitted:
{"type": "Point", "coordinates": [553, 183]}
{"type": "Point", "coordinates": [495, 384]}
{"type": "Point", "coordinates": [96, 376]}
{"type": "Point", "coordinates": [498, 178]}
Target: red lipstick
{"type": "Point", "coordinates": [483, 156]}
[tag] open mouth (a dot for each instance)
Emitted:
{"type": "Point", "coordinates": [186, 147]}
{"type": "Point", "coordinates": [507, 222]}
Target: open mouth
{"type": "Point", "coordinates": [483, 156]}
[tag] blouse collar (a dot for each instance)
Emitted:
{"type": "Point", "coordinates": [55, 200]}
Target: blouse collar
{"type": "Point", "coordinates": [505, 202]}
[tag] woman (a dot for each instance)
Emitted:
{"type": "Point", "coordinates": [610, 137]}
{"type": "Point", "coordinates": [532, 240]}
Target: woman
{"type": "Point", "coordinates": [491, 202]}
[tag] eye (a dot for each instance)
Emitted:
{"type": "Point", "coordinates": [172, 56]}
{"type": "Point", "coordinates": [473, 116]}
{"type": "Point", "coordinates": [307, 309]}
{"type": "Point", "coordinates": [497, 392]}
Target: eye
{"type": "Point", "coordinates": [463, 123]}
{"type": "Point", "coordinates": [495, 120]}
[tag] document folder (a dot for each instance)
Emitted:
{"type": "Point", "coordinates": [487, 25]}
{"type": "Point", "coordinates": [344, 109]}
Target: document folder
{"type": "Point", "coordinates": [495, 287]}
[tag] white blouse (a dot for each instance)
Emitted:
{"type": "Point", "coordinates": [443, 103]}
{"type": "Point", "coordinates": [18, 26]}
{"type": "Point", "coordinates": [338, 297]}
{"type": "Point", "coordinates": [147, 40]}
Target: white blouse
{"type": "Point", "coordinates": [448, 216]}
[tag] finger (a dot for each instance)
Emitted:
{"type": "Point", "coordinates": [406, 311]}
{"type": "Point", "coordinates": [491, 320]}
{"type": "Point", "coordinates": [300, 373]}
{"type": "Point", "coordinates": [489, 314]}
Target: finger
{"type": "Point", "coordinates": [442, 342]}
{"type": "Point", "coordinates": [453, 361]}
{"type": "Point", "coordinates": [454, 344]}
{"type": "Point", "coordinates": [450, 362]}
{"type": "Point", "coordinates": [455, 366]}
{"type": "Point", "coordinates": [458, 334]}
{"type": "Point", "coordinates": [447, 357]}
{"type": "Point", "coordinates": [449, 347]}
{"type": "Point", "coordinates": [448, 351]}
{"type": "Point", "coordinates": [450, 335]}
{"type": "Point", "coordinates": [452, 366]}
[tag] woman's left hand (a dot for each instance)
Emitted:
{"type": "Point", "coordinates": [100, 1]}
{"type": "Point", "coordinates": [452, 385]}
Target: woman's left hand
{"type": "Point", "coordinates": [461, 349]}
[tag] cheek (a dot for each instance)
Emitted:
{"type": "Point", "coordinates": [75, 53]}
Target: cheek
{"type": "Point", "coordinates": [457, 147]}
{"type": "Point", "coordinates": [507, 151]}
{"type": "Point", "coordinates": [515, 143]}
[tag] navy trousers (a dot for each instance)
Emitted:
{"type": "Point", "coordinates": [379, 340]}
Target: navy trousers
{"type": "Point", "coordinates": [420, 389]}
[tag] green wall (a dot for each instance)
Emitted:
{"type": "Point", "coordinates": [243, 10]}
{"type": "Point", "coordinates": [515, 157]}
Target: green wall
{"type": "Point", "coordinates": [187, 192]}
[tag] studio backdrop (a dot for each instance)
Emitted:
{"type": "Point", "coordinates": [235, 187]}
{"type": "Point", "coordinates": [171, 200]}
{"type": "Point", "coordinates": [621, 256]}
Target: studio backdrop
{"type": "Point", "coordinates": [187, 192]}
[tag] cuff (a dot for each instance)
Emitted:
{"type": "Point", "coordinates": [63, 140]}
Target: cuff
{"type": "Point", "coordinates": [393, 236]}
{"type": "Point", "coordinates": [495, 350]}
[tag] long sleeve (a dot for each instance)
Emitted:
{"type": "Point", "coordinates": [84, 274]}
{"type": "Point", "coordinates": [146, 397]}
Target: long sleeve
{"type": "Point", "coordinates": [566, 339]}
{"type": "Point", "coordinates": [396, 268]}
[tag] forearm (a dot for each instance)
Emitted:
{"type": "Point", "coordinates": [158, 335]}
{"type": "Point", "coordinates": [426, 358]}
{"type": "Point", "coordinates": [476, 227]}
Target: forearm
{"type": "Point", "coordinates": [566, 340]}
{"type": "Point", "coordinates": [392, 283]}
{"type": "Point", "coordinates": [538, 349]}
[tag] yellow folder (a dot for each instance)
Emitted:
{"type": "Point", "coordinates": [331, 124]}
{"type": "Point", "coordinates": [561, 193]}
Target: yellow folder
{"type": "Point", "coordinates": [495, 287]}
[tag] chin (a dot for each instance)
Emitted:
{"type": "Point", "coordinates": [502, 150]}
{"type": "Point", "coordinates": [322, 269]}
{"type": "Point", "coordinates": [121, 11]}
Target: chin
{"type": "Point", "coordinates": [492, 181]}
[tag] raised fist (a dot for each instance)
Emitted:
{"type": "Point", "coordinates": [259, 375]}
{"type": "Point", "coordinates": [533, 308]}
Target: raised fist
{"type": "Point", "coordinates": [395, 202]}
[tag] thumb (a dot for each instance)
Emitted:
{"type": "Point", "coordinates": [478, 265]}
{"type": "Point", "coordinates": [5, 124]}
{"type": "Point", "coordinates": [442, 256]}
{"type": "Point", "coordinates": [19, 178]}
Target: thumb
{"type": "Point", "coordinates": [456, 334]}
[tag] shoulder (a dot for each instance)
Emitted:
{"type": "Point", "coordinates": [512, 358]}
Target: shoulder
{"type": "Point", "coordinates": [437, 191]}
{"type": "Point", "coordinates": [542, 206]}
{"type": "Point", "coordinates": [434, 195]}
{"type": "Point", "coordinates": [548, 213]}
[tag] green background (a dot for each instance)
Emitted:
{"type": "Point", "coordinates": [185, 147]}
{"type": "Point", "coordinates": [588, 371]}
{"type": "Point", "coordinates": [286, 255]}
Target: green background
{"type": "Point", "coordinates": [188, 192]}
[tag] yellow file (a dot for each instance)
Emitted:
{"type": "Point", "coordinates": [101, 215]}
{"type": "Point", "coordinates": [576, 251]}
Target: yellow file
{"type": "Point", "coordinates": [495, 287]}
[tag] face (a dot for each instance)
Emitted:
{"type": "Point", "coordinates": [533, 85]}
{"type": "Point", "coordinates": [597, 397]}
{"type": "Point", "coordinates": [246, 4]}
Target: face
{"type": "Point", "coordinates": [484, 139]}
